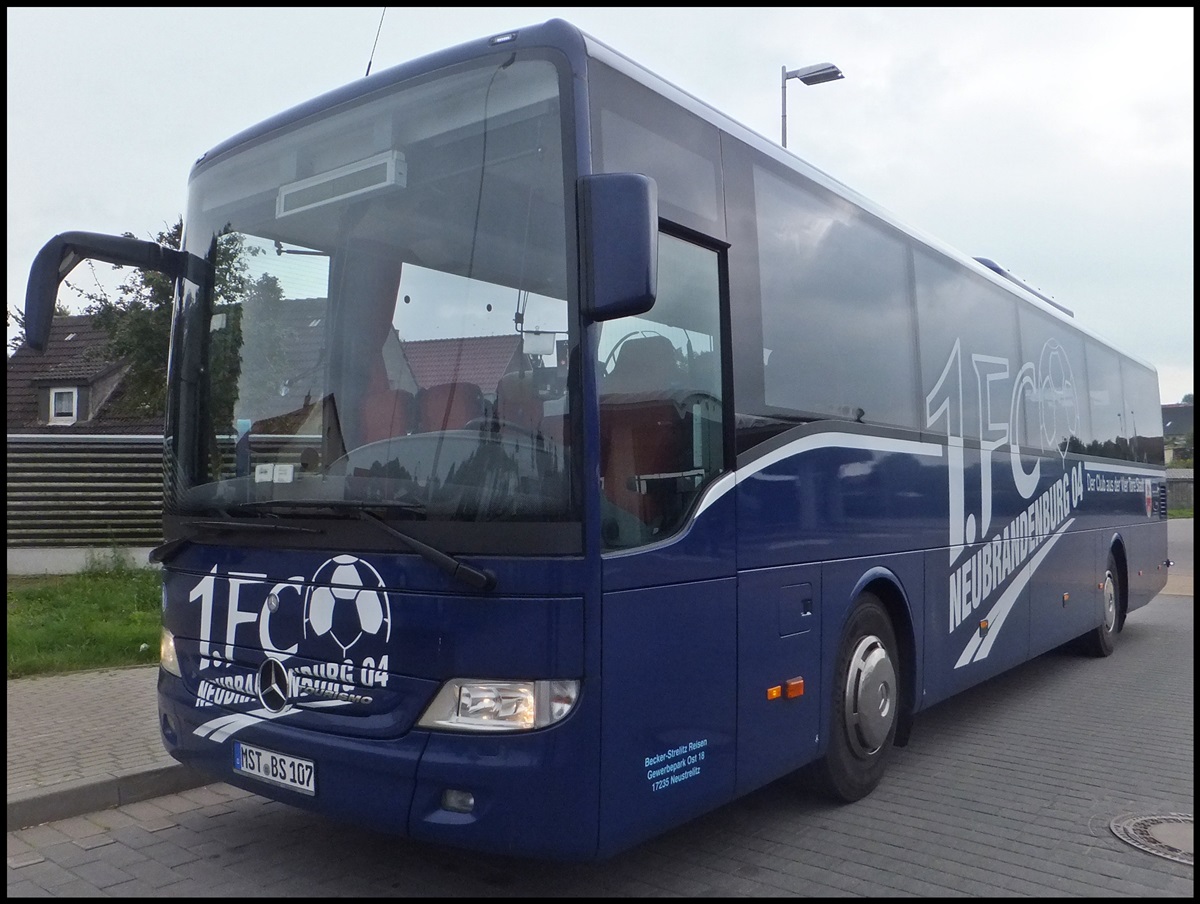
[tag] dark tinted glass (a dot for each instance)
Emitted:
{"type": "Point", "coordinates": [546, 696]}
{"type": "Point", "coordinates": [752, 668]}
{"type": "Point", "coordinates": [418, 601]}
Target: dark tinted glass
{"type": "Point", "coordinates": [1106, 399]}
{"type": "Point", "coordinates": [1145, 412]}
{"type": "Point", "coordinates": [836, 317]}
{"type": "Point", "coordinates": [635, 130]}
{"type": "Point", "coordinates": [970, 354]}
{"type": "Point", "coordinates": [1057, 410]}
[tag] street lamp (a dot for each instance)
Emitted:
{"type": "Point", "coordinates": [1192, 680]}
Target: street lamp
{"type": "Point", "coordinates": [810, 75]}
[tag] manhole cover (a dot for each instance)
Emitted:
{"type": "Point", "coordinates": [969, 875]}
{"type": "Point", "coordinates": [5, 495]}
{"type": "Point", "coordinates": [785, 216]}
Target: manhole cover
{"type": "Point", "coordinates": [1167, 836]}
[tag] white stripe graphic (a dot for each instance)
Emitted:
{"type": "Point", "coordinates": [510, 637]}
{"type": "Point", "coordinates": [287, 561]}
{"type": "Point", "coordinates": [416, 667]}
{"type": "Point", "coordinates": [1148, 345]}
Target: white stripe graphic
{"type": "Point", "coordinates": [977, 647]}
{"type": "Point", "coordinates": [222, 727]}
{"type": "Point", "coordinates": [1122, 469]}
{"type": "Point", "coordinates": [727, 482]}
{"type": "Point", "coordinates": [225, 726]}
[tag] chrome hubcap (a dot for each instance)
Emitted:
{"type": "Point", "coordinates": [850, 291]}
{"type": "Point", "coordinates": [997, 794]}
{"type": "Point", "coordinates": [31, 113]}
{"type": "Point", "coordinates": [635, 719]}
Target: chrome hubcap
{"type": "Point", "coordinates": [869, 705]}
{"type": "Point", "coordinates": [1110, 602]}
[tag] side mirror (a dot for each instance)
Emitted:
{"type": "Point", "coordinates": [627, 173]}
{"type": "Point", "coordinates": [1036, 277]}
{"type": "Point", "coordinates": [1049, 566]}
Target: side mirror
{"type": "Point", "coordinates": [618, 228]}
{"type": "Point", "coordinates": [61, 254]}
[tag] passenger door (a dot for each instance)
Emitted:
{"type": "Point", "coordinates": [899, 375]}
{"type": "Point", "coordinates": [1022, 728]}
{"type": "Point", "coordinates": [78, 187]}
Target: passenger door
{"type": "Point", "coordinates": [669, 620]}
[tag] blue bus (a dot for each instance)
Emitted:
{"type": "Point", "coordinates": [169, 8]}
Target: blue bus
{"type": "Point", "coordinates": [551, 459]}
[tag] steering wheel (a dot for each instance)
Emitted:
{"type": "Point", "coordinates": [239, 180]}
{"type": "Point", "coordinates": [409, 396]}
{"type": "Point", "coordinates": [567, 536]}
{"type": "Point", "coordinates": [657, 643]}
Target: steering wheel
{"type": "Point", "coordinates": [494, 425]}
{"type": "Point", "coordinates": [612, 355]}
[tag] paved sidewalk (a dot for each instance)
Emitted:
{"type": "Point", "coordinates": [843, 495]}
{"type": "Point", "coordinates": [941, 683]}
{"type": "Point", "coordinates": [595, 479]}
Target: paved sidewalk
{"type": "Point", "coordinates": [89, 741]}
{"type": "Point", "coordinates": [84, 742]}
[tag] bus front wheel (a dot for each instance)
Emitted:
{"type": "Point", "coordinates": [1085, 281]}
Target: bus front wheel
{"type": "Point", "coordinates": [865, 705]}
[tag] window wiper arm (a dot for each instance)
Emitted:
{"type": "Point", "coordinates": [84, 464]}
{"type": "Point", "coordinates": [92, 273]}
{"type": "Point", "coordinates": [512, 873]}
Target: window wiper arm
{"type": "Point", "coordinates": [456, 568]}
{"type": "Point", "coordinates": [277, 506]}
{"type": "Point", "coordinates": [168, 550]}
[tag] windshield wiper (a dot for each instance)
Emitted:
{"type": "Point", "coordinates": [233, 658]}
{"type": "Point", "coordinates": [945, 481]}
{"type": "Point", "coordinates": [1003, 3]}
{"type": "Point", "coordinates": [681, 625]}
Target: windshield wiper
{"type": "Point", "coordinates": [335, 506]}
{"type": "Point", "coordinates": [456, 568]}
{"type": "Point", "coordinates": [453, 566]}
{"type": "Point", "coordinates": [166, 551]}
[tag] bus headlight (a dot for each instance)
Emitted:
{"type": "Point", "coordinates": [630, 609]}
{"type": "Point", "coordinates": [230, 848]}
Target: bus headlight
{"type": "Point", "coordinates": [166, 654]}
{"type": "Point", "coordinates": [468, 704]}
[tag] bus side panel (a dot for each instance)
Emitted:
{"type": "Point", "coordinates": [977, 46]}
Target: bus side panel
{"type": "Point", "coordinates": [1125, 504]}
{"type": "Point", "coordinates": [966, 642]}
{"type": "Point", "coordinates": [702, 551]}
{"type": "Point", "coordinates": [779, 641]}
{"type": "Point", "coordinates": [1065, 600]}
{"type": "Point", "coordinates": [840, 495]}
{"type": "Point", "coordinates": [669, 713]}
{"type": "Point", "coordinates": [1146, 551]}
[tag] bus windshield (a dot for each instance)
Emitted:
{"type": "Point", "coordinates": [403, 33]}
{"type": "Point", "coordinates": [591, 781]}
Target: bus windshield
{"type": "Point", "coordinates": [388, 318]}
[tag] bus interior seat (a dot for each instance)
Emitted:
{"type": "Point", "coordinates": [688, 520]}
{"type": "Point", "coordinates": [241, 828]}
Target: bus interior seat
{"type": "Point", "coordinates": [386, 412]}
{"type": "Point", "coordinates": [518, 401]}
{"type": "Point", "coordinates": [642, 429]}
{"type": "Point", "coordinates": [644, 364]}
{"type": "Point", "coordinates": [449, 406]}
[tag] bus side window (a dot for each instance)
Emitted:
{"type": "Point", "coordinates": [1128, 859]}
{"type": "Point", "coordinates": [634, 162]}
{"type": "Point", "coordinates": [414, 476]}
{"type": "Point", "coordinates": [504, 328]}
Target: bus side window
{"type": "Point", "coordinates": [641, 437]}
{"type": "Point", "coordinates": [660, 400]}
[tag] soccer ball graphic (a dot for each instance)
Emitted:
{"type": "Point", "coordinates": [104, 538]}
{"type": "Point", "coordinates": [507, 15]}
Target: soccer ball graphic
{"type": "Point", "coordinates": [1059, 407]}
{"type": "Point", "coordinates": [346, 603]}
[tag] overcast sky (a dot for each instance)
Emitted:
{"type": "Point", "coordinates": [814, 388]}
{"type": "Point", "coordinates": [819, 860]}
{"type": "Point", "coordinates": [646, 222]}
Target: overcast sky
{"type": "Point", "coordinates": [1058, 142]}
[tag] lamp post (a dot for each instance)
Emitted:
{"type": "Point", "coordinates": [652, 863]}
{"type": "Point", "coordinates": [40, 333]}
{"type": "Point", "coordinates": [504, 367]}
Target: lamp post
{"type": "Point", "coordinates": [810, 75]}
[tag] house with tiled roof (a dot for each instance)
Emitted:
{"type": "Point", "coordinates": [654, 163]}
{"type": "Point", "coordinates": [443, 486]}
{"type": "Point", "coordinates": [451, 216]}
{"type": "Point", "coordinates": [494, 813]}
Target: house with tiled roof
{"type": "Point", "coordinates": [71, 388]}
{"type": "Point", "coordinates": [80, 478]}
{"type": "Point", "coordinates": [481, 360]}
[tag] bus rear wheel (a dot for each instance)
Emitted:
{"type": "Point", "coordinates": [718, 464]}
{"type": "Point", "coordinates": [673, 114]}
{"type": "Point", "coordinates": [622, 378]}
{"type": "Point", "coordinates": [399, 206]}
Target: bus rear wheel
{"type": "Point", "coordinates": [1099, 642]}
{"type": "Point", "coordinates": [865, 705]}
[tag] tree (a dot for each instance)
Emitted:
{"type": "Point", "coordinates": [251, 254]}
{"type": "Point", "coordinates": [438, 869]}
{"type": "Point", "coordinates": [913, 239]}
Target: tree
{"type": "Point", "coordinates": [138, 323]}
{"type": "Point", "coordinates": [138, 320]}
{"type": "Point", "coordinates": [1187, 399]}
{"type": "Point", "coordinates": [18, 317]}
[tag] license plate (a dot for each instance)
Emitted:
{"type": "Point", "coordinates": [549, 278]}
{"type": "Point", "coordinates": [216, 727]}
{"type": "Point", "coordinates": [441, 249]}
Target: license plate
{"type": "Point", "coordinates": [278, 768]}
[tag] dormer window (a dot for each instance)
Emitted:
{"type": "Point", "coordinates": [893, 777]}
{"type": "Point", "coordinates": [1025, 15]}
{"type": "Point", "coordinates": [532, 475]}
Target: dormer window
{"type": "Point", "coordinates": [64, 401]}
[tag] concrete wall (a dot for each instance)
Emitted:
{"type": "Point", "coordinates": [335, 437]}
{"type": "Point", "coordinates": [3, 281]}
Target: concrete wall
{"type": "Point", "coordinates": [72, 559]}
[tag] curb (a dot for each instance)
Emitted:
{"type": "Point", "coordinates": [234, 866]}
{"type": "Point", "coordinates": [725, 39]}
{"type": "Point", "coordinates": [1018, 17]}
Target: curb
{"type": "Point", "coordinates": [70, 799]}
{"type": "Point", "coordinates": [1179, 585]}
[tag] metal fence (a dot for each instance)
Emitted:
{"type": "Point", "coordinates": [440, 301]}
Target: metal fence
{"type": "Point", "coordinates": [1181, 492]}
{"type": "Point", "coordinates": [93, 491]}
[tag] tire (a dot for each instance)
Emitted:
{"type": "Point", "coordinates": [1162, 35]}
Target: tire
{"type": "Point", "coordinates": [1099, 642]}
{"type": "Point", "coordinates": [865, 705]}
